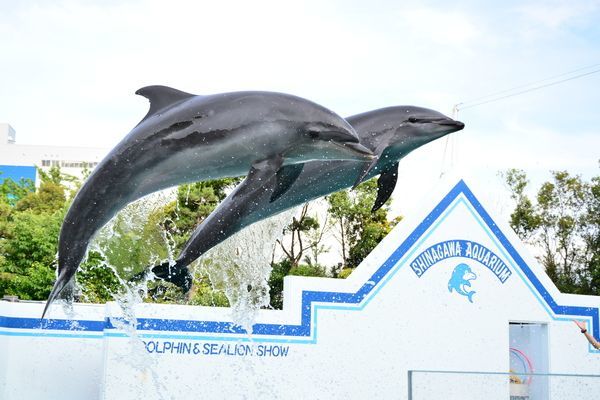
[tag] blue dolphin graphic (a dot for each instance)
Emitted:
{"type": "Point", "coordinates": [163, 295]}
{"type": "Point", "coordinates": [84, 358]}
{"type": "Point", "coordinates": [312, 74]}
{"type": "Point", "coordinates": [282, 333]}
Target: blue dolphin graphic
{"type": "Point", "coordinates": [461, 278]}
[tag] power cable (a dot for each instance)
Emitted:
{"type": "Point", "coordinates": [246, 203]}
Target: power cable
{"type": "Point", "coordinates": [524, 91]}
{"type": "Point", "coordinates": [529, 84]}
{"type": "Point", "coordinates": [510, 93]}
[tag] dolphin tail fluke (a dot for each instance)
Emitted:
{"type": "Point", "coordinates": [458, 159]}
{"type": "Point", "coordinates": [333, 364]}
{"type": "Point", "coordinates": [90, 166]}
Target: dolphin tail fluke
{"type": "Point", "coordinates": [470, 296]}
{"type": "Point", "coordinates": [176, 274]}
{"type": "Point", "coordinates": [59, 285]}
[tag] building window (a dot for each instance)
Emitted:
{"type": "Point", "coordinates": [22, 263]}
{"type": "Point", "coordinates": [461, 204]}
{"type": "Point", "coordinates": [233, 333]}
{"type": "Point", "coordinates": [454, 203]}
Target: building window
{"type": "Point", "coordinates": [68, 164]}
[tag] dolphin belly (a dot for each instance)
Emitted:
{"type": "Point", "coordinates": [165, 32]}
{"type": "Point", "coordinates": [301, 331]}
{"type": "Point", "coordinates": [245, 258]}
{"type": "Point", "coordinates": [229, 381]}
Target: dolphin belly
{"type": "Point", "coordinates": [241, 209]}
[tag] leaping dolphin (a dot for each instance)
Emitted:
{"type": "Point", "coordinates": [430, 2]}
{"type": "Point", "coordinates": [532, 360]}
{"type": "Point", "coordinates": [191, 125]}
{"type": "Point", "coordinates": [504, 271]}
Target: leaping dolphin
{"type": "Point", "coordinates": [188, 138]}
{"type": "Point", "coordinates": [391, 133]}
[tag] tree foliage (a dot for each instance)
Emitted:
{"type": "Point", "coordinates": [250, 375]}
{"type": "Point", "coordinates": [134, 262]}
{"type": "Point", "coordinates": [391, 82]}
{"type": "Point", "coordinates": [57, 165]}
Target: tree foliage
{"type": "Point", "coordinates": [147, 231]}
{"type": "Point", "coordinates": [194, 203]}
{"type": "Point", "coordinates": [564, 226]}
{"type": "Point", "coordinates": [301, 225]}
{"type": "Point", "coordinates": [29, 227]}
{"type": "Point", "coordinates": [359, 229]}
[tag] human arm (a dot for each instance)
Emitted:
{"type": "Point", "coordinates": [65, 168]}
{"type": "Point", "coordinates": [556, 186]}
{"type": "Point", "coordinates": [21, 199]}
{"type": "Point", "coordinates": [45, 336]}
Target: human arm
{"type": "Point", "coordinates": [588, 336]}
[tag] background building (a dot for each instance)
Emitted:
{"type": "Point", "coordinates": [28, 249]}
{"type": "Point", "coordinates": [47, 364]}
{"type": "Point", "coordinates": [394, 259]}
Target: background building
{"type": "Point", "coordinates": [20, 160]}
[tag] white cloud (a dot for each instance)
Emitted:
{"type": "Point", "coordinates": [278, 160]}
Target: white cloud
{"type": "Point", "coordinates": [557, 14]}
{"type": "Point", "coordinates": [442, 26]}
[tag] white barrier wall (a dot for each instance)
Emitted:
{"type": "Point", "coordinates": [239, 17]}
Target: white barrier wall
{"type": "Point", "coordinates": [57, 359]}
{"type": "Point", "coordinates": [438, 293]}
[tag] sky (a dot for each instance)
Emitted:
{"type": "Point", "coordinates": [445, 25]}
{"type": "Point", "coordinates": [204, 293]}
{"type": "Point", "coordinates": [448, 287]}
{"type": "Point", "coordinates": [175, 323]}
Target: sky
{"type": "Point", "coordinates": [69, 70]}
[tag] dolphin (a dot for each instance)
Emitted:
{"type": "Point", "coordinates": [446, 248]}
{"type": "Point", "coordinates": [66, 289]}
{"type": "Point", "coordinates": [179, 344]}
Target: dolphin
{"type": "Point", "coordinates": [391, 133]}
{"type": "Point", "coordinates": [461, 279]}
{"type": "Point", "coordinates": [188, 138]}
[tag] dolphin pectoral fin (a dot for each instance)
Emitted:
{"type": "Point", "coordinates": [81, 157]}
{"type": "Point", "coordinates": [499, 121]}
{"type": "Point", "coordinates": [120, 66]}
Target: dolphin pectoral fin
{"type": "Point", "coordinates": [161, 97]}
{"type": "Point", "coordinates": [385, 186]}
{"type": "Point", "coordinates": [259, 177]}
{"type": "Point", "coordinates": [285, 178]}
{"type": "Point", "coordinates": [365, 172]}
{"type": "Point", "coordinates": [370, 166]}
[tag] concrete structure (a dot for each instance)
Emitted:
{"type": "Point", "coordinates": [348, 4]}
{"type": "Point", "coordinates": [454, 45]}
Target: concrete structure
{"type": "Point", "coordinates": [19, 160]}
{"type": "Point", "coordinates": [448, 294]}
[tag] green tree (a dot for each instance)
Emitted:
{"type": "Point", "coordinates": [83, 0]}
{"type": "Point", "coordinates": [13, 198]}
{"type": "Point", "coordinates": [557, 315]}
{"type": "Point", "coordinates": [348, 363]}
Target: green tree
{"type": "Point", "coordinates": [98, 282]}
{"type": "Point", "coordinates": [30, 238]}
{"type": "Point", "coordinates": [205, 294]}
{"type": "Point", "coordinates": [30, 221]}
{"type": "Point", "coordinates": [11, 192]}
{"type": "Point", "coordinates": [194, 203]}
{"type": "Point", "coordinates": [29, 227]}
{"type": "Point", "coordinates": [34, 283]}
{"type": "Point", "coordinates": [524, 220]}
{"type": "Point", "coordinates": [591, 238]}
{"type": "Point", "coordinates": [301, 224]}
{"type": "Point", "coordinates": [563, 224]}
{"type": "Point", "coordinates": [359, 229]}
{"type": "Point", "coordinates": [278, 272]}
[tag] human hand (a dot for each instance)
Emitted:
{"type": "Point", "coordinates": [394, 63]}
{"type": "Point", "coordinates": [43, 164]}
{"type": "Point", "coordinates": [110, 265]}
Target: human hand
{"type": "Point", "coordinates": [580, 324]}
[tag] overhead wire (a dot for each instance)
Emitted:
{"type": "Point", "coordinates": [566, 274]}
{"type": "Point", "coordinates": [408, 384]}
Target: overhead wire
{"type": "Point", "coordinates": [462, 106]}
{"type": "Point", "coordinates": [528, 84]}
{"type": "Point", "coordinates": [507, 93]}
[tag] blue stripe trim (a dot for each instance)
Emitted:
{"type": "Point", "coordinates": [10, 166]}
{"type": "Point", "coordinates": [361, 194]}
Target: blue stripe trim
{"type": "Point", "coordinates": [42, 334]}
{"type": "Point", "coordinates": [51, 324]}
{"type": "Point", "coordinates": [312, 301]}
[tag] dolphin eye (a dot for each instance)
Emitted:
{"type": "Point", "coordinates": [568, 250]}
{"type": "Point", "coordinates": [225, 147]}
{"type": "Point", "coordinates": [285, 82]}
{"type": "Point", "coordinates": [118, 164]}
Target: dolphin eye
{"type": "Point", "coordinates": [313, 134]}
{"type": "Point", "coordinates": [413, 119]}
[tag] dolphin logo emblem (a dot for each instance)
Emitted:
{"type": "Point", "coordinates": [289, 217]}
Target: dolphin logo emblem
{"type": "Point", "coordinates": [461, 279]}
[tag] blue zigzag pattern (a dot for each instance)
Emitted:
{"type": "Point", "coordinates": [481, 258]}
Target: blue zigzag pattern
{"type": "Point", "coordinates": [311, 298]}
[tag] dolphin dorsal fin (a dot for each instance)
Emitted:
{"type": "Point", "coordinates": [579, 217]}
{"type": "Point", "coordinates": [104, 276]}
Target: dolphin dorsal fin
{"type": "Point", "coordinates": [161, 97]}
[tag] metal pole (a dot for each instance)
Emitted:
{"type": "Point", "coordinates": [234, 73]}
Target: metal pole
{"type": "Point", "coordinates": [410, 384]}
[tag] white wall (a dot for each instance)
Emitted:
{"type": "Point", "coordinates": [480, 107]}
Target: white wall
{"type": "Point", "coordinates": [49, 363]}
{"type": "Point", "coordinates": [354, 338]}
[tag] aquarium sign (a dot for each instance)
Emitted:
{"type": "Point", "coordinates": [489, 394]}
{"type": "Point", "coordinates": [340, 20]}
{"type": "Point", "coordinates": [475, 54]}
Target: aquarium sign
{"type": "Point", "coordinates": [464, 249]}
{"type": "Point", "coordinates": [206, 349]}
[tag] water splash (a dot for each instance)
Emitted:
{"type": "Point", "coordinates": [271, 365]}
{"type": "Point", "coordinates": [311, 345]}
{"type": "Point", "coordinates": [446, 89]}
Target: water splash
{"type": "Point", "coordinates": [241, 266]}
{"type": "Point", "coordinates": [130, 294]}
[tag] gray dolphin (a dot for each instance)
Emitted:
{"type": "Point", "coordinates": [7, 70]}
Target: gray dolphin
{"type": "Point", "coordinates": [391, 133]}
{"type": "Point", "coordinates": [188, 138]}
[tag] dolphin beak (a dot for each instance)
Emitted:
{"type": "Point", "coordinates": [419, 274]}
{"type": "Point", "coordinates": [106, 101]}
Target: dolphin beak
{"type": "Point", "coordinates": [457, 125]}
